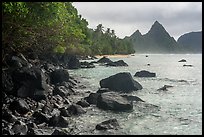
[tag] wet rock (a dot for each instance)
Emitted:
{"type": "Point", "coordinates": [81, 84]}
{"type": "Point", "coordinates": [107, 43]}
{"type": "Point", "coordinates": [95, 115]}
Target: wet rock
{"type": "Point", "coordinates": [20, 106]}
{"type": "Point", "coordinates": [104, 60]}
{"type": "Point", "coordinates": [75, 109]}
{"type": "Point", "coordinates": [58, 76]}
{"type": "Point", "coordinates": [83, 103]}
{"type": "Point", "coordinates": [132, 98]}
{"type": "Point", "coordinates": [92, 98]}
{"type": "Point", "coordinates": [60, 132]}
{"type": "Point", "coordinates": [58, 121]}
{"type": "Point", "coordinates": [86, 64]}
{"type": "Point", "coordinates": [108, 124]}
{"type": "Point", "coordinates": [113, 101]}
{"type": "Point", "coordinates": [117, 63]}
{"type": "Point", "coordinates": [182, 60]}
{"type": "Point", "coordinates": [120, 82]}
{"type": "Point", "coordinates": [145, 73]}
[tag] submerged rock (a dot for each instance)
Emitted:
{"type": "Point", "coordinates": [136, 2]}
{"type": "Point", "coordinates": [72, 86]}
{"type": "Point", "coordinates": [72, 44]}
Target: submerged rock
{"type": "Point", "coordinates": [113, 101]}
{"type": "Point", "coordinates": [145, 73]}
{"type": "Point", "coordinates": [120, 82]}
{"type": "Point", "coordinates": [164, 88]}
{"type": "Point", "coordinates": [185, 65]}
{"type": "Point", "coordinates": [108, 124]}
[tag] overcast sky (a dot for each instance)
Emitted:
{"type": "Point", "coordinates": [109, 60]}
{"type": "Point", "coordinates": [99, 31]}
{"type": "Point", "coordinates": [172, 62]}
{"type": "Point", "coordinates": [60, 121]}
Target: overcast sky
{"type": "Point", "coordinates": [126, 17]}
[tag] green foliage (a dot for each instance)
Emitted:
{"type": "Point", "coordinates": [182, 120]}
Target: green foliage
{"type": "Point", "coordinates": [54, 27]}
{"type": "Point", "coordinates": [108, 43]}
{"type": "Point", "coordinates": [59, 49]}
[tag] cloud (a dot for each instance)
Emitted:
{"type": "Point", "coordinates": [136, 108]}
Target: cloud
{"type": "Point", "coordinates": [126, 17]}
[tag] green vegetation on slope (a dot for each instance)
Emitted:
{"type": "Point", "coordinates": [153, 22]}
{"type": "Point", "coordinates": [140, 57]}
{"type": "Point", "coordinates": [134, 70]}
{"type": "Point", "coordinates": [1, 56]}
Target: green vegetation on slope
{"type": "Point", "coordinates": [54, 27]}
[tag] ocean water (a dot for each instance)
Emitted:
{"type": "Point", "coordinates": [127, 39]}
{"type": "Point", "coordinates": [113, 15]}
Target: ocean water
{"type": "Point", "coordinates": [177, 111]}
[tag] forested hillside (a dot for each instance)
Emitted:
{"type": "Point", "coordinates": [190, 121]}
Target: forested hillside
{"type": "Point", "coordinates": [54, 27]}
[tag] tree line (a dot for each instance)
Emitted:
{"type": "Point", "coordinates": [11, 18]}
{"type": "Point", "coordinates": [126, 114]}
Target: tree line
{"type": "Point", "coordinates": [55, 27]}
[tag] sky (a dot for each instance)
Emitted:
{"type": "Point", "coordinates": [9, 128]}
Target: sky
{"type": "Point", "coordinates": [125, 18]}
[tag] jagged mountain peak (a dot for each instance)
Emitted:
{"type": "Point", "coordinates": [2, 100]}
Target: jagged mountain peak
{"type": "Point", "coordinates": [137, 32]}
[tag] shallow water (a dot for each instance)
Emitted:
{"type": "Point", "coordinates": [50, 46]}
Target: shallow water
{"type": "Point", "coordinates": [179, 109]}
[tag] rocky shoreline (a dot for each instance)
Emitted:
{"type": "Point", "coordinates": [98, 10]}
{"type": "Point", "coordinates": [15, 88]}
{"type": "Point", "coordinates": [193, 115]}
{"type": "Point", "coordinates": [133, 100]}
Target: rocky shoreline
{"type": "Point", "coordinates": [40, 97]}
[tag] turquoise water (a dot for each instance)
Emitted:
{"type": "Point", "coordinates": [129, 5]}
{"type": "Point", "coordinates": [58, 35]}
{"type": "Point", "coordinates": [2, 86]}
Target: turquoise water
{"type": "Point", "coordinates": [179, 110]}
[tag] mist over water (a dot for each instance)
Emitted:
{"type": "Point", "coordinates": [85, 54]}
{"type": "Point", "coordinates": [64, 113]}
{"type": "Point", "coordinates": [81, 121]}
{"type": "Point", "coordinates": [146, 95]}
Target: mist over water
{"type": "Point", "coordinates": [179, 108]}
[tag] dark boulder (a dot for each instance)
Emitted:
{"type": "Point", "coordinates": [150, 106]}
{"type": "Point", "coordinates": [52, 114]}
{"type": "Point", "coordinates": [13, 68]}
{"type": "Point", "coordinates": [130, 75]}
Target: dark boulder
{"type": "Point", "coordinates": [117, 63]}
{"type": "Point", "coordinates": [64, 112]}
{"type": "Point", "coordinates": [58, 76]}
{"type": "Point", "coordinates": [92, 98]}
{"type": "Point", "coordinates": [120, 82]}
{"type": "Point", "coordinates": [83, 103]}
{"type": "Point", "coordinates": [30, 82]}
{"type": "Point", "coordinates": [145, 73]}
{"type": "Point", "coordinates": [86, 64]}
{"type": "Point", "coordinates": [58, 121]}
{"type": "Point", "coordinates": [104, 60]}
{"type": "Point", "coordinates": [20, 106]}
{"type": "Point", "coordinates": [108, 124]}
{"type": "Point", "coordinates": [75, 109]}
{"type": "Point", "coordinates": [41, 117]}
{"type": "Point", "coordinates": [73, 63]}
{"type": "Point", "coordinates": [182, 60]}
{"type": "Point", "coordinates": [113, 101]}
